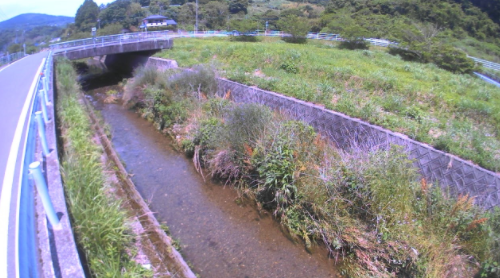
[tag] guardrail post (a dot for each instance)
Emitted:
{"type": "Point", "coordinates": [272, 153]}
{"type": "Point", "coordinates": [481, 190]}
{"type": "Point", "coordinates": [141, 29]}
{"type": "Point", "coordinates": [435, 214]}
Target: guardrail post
{"type": "Point", "coordinates": [43, 104]}
{"type": "Point", "coordinates": [41, 187]}
{"type": "Point", "coordinates": [44, 83]}
{"type": "Point", "coordinates": [45, 94]}
{"type": "Point", "coordinates": [41, 133]}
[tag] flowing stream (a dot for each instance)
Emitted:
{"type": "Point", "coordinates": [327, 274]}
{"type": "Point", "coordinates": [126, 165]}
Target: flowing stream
{"type": "Point", "coordinates": [219, 235]}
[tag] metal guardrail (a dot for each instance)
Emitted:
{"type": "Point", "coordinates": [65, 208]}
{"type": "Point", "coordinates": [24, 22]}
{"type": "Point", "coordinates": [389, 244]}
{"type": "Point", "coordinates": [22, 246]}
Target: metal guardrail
{"type": "Point", "coordinates": [27, 241]}
{"type": "Point", "coordinates": [9, 58]}
{"type": "Point", "coordinates": [486, 63]}
{"type": "Point", "coordinates": [487, 79]}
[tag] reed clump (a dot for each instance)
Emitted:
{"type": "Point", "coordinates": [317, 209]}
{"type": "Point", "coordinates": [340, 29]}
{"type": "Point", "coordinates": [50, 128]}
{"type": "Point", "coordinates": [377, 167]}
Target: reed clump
{"type": "Point", "coordinates": [367, 205]}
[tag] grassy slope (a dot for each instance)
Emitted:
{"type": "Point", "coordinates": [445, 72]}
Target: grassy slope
{"type": "Point", "coordinates": [455, 113]}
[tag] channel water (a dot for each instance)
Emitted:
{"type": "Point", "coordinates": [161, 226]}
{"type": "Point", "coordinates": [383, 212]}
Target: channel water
{"type": "Point", "coordinates": [219, 235]}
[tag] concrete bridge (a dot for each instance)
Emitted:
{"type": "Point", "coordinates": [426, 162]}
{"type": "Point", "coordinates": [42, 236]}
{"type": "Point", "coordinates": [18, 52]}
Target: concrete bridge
{"type": "Point", "coordinates": [122, 47]}
{"type": "Point", "coordinates": [120, 51]}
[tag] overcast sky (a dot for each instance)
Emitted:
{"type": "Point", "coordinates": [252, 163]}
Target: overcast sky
{"type": "Point", "coordinates": [11, 8]}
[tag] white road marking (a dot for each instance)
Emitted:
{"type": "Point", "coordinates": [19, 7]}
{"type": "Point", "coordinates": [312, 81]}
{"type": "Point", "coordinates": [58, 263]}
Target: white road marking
{"type": "Point", "coordinates": [12, 63]}
{"type": "Point", "coordinates": [8, 179]}
{"type": "Point", "coordinates": [23, 157]}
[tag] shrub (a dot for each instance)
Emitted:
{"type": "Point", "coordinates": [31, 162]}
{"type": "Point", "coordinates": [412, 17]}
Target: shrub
{"type": "Point", "coordinates": [200, 82]}
{"type": "Point", "coordinates": [208, 132]}
{"type": "Point", "coordinates": [289, 67]}
{"type": "Point", "coordinates": [407, 54]}
{"type": "Point", "coordinates": [297, 40]}
{"type": "Point", "coordinates": [244, 123]}
{"type": "Point", "coordinates": [244, 38]}
{"type": "Point", "coordinates": [452, 59]}
{"type": "Point", "coordinates": [354, 44]}
{"type": "Point", "coordinates": [296, 27]}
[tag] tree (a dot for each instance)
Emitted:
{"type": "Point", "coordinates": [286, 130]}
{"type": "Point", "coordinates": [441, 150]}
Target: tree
{"type": "Point", "coordinates": [110, 29]}
{"type": "Point", "coordinates": [158, 6]}
{"type": "Point", "coordinates": [238, 6]}
{"type": "Point", "coordinates": [15, 47]}
{"type": "Point", "coordinates": [215, 14]}
{"type": "Point", "coordinates": [123, 12]}
{"type": "Point", "coordinates": [135, 14]}
{"type": "Point", "coordinates": [449, 58]}
{"type": "Point", "coordinates": [86, 16]}
{"type": "Point", "coordinates": [418, 41]}
{"type": "Point", "coordinates": [244, 26]}
{"type": "Point", "coordinates": [351, 31]}
{"type": "Point", "coordinates": [187, 14]}
{"type": "Point", "coordinates": [173, 13]}
{"type": "Point", "coordinates": [271, 17]}
{"type": "Point", "coordinates": [296, 26]}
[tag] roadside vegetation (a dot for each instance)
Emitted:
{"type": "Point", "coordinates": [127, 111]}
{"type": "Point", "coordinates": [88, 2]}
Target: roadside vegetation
{"type": "Point", "coordinates": [99, 223]}
{"type": "Point", "coordinates": [364, 204]}
{"type": "Point", "coordinates": [456, 113]}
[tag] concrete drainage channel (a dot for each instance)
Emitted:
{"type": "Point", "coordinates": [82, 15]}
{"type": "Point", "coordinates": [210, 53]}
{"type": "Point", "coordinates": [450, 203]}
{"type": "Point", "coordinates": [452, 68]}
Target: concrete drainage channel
{"type": "Point", "coordinates": [157, 245]}
{"type": "Point", "coordinates": [57, 253]}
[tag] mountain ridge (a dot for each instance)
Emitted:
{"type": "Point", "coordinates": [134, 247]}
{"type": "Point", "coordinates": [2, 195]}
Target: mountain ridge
{"type": "Point", "coordinates": [29, 20]}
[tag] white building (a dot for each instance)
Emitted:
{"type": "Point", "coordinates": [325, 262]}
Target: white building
{"type": "Point", "coordinates": [157, 20]}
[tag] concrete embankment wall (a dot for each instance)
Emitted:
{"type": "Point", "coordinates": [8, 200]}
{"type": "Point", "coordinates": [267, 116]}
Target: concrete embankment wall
{"type": "Point", "coordinates": [456, 174]}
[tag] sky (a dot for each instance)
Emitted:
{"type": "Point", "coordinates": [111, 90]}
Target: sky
{"type": "Point", "coordinates": [11, 8]}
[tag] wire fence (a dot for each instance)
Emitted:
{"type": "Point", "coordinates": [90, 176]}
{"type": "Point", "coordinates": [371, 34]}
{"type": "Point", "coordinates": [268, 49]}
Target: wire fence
{"type": "Point", "coordinates": [9, 58]}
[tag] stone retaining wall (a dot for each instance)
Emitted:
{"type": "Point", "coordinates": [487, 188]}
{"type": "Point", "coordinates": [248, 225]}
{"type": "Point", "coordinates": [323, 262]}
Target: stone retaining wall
{"type": "Point", "coordinates": [460, 176]}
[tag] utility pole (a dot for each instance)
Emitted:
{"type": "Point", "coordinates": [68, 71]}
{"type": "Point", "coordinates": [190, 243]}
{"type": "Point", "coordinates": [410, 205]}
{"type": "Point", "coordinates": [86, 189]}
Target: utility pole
{"type": "Point", "coordinates": [196, 25]}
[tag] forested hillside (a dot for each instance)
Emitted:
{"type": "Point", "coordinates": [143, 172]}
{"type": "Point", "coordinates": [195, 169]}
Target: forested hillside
{"type": "Point", "coordinates": [30, 29]}
{"type": "Point", "coordinates": [31, 20]}
{"type": "Point", "coordinates": [470, 25]}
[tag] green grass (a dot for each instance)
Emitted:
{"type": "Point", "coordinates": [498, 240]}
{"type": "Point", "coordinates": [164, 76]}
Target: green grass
{"type": "Point", "coordinates": [99, 223]}
{"type": "Point", "coordinates": [456, 113]}
{"type": "Point", "coordinates": [364, 205]}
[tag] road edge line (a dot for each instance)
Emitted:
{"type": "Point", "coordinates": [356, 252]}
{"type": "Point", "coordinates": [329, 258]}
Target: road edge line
{"type": "Point", "coordinates": [5, 201]}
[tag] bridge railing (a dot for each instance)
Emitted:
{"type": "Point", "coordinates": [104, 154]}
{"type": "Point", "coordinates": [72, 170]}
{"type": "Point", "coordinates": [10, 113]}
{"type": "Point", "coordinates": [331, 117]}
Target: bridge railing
{"type": "Point", "coordinates": [131, 37]}
{"type": "Point", "coordinates": [104, 40]}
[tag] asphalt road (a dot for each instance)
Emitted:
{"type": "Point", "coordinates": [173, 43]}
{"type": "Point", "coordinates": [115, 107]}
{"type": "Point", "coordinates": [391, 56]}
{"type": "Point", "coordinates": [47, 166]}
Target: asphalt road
{"type": "Point", "coordinates": [15, 83]}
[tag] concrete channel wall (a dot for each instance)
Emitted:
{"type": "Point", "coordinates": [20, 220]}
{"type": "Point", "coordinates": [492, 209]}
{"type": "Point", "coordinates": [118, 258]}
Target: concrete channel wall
{"type": "Point", "coordinates": [458, 175]}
